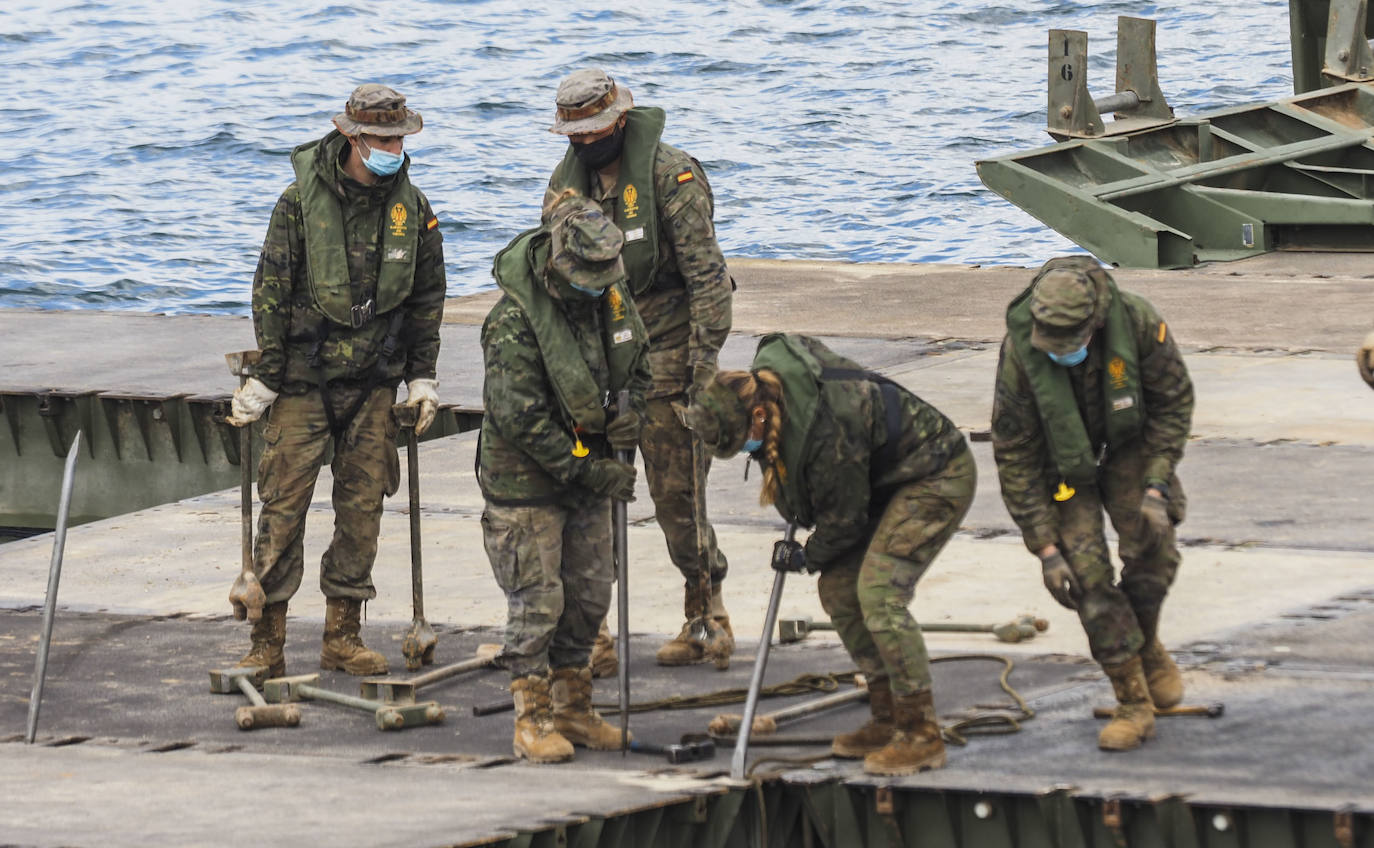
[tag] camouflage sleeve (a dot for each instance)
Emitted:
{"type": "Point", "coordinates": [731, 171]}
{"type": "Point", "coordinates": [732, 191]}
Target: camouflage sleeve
{"type": "Point", "coordinates": [280, 267]}
{"type": "Point", "coordinates": [687, 209]}
{"type": "Point", "coordinates": [837, 474]}
{"type": "Point", "coordinates": [425, 305]}
{"type": "Point", "coordinates": [516, 392]}
{"type": "Point", "coordinates": [1019, 448]}
{"type": "Point", "coordinates": [1167, 390]}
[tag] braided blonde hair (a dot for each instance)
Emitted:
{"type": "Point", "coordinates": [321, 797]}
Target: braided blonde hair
{"type": "Point", "coordinates": [762, 388]}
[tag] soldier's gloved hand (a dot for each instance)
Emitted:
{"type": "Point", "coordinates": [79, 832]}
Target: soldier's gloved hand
{"type": "Point", "coordinates": [609, 477]}
{"type": "Point", "coordinates": [702, 373]}
{"type": "Point", "coordinates": [1154, 509]}
{"type": "Point", "coordinates": [788, 556]}
{"type": "Point", "coordinates": [1060, 580]}
{"type": "Point", "coordinates": [623, 431]}
{"type": "Point", "coordinates": [424, 393]}
{"type": "Point", "coordinates": [1365, 360]}
{"type": "Point", "coordinates": [250, 402]}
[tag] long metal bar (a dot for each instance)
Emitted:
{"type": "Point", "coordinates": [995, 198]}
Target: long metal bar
{"type": "Point", "coordinates": [445, 672]}
{"type": "Point", "coordinates": [751, 702]}
{"type": "Point", "coordinates": [620, 524]}
{"type": "Point", "coordinates": [59, 542]}
{"type": "Point", "coordinates": [321, 694]}
{"type": "Point", "coordinates": [417, 586]}
{"type": "Point", "coordinates": [1119, 102]}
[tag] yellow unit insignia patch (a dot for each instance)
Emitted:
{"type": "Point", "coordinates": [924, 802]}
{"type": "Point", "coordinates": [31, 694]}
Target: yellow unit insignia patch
{"type": "Point", "coordinates": [398, 220]}
{"type": "Point", "coordinates": [1162, 332]}
{"type": "Point", "coordinates": [630, 201]}
{"type": "Point", "coordinates": [617, 304]}
{"type": "Point", "coordinates": [1116, 369]}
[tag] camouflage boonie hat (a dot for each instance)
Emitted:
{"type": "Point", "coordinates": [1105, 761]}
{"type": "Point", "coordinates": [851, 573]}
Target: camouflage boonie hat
{"type": "Point", "coordinates": [589, 101]}
{"type": "Point", "coordinates": [720, 418]}
{"type": "Point", "coordinates": [377, 110]}
{"type": "Point", "coordinates": [1063, 304]}
{"type": "Point", "coordinates": [585, 244]}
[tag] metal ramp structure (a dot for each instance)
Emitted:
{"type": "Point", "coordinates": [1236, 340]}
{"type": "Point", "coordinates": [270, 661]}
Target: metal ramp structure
{"type": "Point", "coordinates": [1152, 191]}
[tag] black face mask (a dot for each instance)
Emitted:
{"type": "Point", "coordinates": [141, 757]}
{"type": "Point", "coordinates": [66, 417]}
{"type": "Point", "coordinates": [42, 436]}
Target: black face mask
{"type": "Point", "coordinates": [602, 152]}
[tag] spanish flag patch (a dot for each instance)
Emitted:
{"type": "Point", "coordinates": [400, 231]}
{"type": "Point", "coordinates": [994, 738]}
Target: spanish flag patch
{"type": "Point", "coordinates": [431, 223]}
{"type": "Point", "coordinates": [685, 177]}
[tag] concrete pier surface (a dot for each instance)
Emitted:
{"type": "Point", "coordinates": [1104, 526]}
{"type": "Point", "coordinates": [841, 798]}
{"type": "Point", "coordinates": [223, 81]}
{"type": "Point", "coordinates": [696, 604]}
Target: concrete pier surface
{"type": "Point", "coordinates": [1277, 534]}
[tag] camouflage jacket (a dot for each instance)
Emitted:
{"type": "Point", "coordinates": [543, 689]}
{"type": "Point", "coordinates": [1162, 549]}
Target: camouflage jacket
{"type": "Point", "coordinates": [687, 309]}
{"type": "Point", "coordinates": [525, 455]}
{"type": "Point", "coordinates": [286, 319]}
{"type": "Point", "coordinates": [1025, 466]}
{"type": "Point", "coordinates": [848, 469]}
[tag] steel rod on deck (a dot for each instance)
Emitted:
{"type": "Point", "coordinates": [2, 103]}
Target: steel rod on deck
{"type": "Point", "coordinates": [40, 669]}
{"type": "Point", "coordinates": [751, 702]}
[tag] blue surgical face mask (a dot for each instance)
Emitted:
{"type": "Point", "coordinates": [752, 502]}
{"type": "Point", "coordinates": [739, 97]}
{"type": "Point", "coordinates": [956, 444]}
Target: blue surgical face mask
{"type": "Point", "coordinates": [751, 445]}
{"type": "Point", "coordinates": [1068, 360]}
{"type": "Point", "coordinates": [381, 162]}
{"type": "Point", "coordinates": [588, 292]}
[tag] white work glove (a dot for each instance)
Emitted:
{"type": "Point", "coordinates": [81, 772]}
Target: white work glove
{"type": "Point", "coordinates": [1365, 360]}
{"type": "Point", "coordinates": [250, 402]}
{"type": "Point", "coordinates": [424, 394]}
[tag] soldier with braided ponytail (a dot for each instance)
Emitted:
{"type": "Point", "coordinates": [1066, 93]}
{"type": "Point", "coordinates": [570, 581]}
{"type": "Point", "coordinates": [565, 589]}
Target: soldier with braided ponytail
{"type": "Point", "coordinates": [884, 479]}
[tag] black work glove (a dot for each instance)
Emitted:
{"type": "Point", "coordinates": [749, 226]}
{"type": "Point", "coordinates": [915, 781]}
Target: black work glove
{"type": "Point", "coordinates": [609, 477]}
{"type": "Point", "coordinates": [1059, 579]}
{"type": "Point", "coordinates": [623, 431]}
{"type": "Point", "coordinates": [788, 556]}
{"type": "Point", "coordinates": [1155, 512]}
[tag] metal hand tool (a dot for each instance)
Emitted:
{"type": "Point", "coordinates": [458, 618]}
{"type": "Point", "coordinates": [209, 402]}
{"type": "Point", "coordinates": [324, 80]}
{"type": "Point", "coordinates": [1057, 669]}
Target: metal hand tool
{"type": "Point", "coordinates": [620, 524]}
{"type": "Point", "coordinates": [1019, 629]}
{"type": "Point", "coordinates": [246, 679]}
{"type": "Point", "coordinates": [691, 748]}
{"type": "Point", "coordinates": [59, 542]}
{"type": "Point", "coordinates": [396, 690]}
{"type": "Point", "coordinates": [760, 663]}
{"type": "Point", "coordinates": [246, 596]}
{"type": "Point", "coordinates": [417, 646]}
{"type": "Point", "coordinates": [389, 716]}
{"type": "Point", "coordinates": [728, 724]}
{"type": "Point", "coordinates": [1214, 710]}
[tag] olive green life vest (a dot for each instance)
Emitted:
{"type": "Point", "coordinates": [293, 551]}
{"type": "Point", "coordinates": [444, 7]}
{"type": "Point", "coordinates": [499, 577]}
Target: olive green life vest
{"type": "Point", "coordinates": [519, 272]}
{"type": "Point", "coordinates": [326, 259]}
{"type": "Point", "coordinates": [636, 201]}
{"type": "Point", "coordinates": [1121, 396]}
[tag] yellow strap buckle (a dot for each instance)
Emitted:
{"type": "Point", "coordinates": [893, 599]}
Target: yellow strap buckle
{"type": "Point", "coordinates": [1065, 492]}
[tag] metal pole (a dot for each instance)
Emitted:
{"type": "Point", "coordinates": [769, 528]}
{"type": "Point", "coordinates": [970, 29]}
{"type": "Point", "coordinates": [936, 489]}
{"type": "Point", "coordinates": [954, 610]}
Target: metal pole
{"type": "Point", "coordinates": [620, 524]}
{"type": "Point", "coordinates": [40, 669]}
{"type": "Point", "coordinates": [751, 702]}
{"type": "Point", "coordinates": [417, 589]}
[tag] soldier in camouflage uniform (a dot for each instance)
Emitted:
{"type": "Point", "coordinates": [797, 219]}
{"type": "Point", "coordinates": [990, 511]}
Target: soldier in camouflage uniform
{"type": "Point", "coordinates": [347, 302]}
{"type": "Point", "coordinates": [885, 479]}
{"type": "Point", "coordinates": [660, 198]}
{"type": "Point", "coordinates": [1092, 409]}
{"type": "Point", "coordinates": [562, 340]}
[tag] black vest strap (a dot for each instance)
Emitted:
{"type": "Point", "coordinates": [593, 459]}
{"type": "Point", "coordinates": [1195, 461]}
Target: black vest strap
{"type": "Point", "coordinates": [891, 391]}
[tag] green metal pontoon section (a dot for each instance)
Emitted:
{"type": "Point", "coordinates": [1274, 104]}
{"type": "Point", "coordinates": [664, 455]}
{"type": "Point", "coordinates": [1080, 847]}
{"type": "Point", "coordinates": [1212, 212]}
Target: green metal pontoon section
{"type": "Point", "coordinates": [788, 812]}
{"type": "Point", "coordinates": [1146, 191]}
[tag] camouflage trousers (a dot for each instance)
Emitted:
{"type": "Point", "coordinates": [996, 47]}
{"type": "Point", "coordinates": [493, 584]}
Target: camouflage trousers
{"type": "Point", "coordinates": [667, 448]}
{"type": "Point", "coordinates": [1119, 617]}
{"type": "Point", "coordinates": [867, 593]}
{"type": "Point", "coordinates": [556, 566]}
{"type": "Point", "coordinates": [366, 470]}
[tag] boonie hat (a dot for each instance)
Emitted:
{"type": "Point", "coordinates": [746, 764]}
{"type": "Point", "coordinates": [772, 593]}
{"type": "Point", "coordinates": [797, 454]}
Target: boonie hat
{"type": "Point", "coordinates": [1063, 304]}
{"type": "Point", "coordinates": [589, 101]}
{"type": "Point", "coordinates": [376, 109]}
{"type": "Point", "coordinates": [585, 245]}
{"type": "Point", "coordinates": [719, 417]}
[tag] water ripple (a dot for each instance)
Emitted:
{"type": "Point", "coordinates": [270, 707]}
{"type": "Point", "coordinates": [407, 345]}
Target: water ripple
{"type": "Point", "coordinates": [151, 142]}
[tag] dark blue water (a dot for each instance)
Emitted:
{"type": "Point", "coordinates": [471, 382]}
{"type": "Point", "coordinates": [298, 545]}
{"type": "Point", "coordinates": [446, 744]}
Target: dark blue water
{"type": "Point", "coordinates": [143, 143]}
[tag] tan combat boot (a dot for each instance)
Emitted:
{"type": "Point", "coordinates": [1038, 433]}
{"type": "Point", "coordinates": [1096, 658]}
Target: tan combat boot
{"type": "Point", "coordinates": [916, 744]}
{"type": "Point", "coordinates": [535, 737]}
{"type": "Point", "coordinates": [343, 648]}
{"type": "Point", "coordinates": [1134, 719]}
{"type": "Point", "coordinates": [876, 732]}
{"type": "Point", "coordinates": [686, 649]}
{"type": "Point", "coordinates": [573, 715]}
{"type": "Point", "coordinates": [605, 663]}
{"type": "Point", "coordinates": [269, 640]}
{"type": "Point", "coordinates": [1161, 675]}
